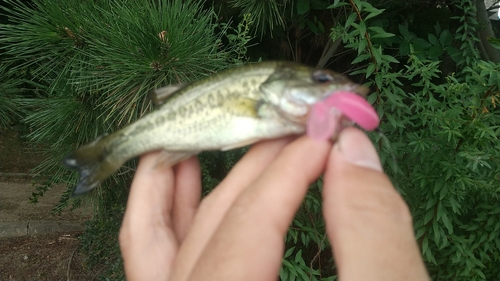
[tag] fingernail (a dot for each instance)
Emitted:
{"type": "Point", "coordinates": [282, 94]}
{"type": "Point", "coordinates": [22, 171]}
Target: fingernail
{"type": "Point", "coordinates": [357, 149]}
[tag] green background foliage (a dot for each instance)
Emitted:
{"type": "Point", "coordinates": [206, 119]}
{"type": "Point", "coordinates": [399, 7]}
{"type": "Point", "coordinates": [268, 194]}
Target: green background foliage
{"type": "Point", "coordinates": [436, 89]}
{"type": "Point", "coordinates": [10, 98]}
{"type": "Point", "coordinates": [89, 66]}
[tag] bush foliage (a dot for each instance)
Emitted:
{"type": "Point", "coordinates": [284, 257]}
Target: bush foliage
{"type": "Point", "coordinates": [10, 98]}
{"type": "Point", "coordinates": [443, 131]}
{"type": "Point", "coordinates": [90, 66]}
{"type": "Point", "coordinates": [436, 92]}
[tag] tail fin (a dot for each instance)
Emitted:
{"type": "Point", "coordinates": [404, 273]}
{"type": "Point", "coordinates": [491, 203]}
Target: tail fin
{"type": "Point", "coordinates": [93, 163]}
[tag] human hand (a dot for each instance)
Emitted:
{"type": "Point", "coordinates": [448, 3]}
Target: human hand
{"type": "Point", "coordinates": [368, 223]}
{"type": "Point", "coordinates": [236, 233]}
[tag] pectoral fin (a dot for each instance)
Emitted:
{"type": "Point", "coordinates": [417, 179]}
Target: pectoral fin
{"type": "Point", "coordinates": [243, 107]}
{"type": "Point", "coordinates": [170, 158]}
{"type": "Point", "coordinates": [240, 144]}
{"type": "Point", "coordinates": [159, 96]}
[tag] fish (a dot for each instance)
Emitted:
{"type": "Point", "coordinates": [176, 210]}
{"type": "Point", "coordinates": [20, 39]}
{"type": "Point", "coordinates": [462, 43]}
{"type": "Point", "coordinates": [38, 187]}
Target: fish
{"type": "Point", "coordinates": [230, 109]}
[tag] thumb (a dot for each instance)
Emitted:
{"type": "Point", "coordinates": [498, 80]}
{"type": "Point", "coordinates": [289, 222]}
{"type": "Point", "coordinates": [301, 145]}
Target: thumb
{"type": "Point", "coordinates": [368, 222]}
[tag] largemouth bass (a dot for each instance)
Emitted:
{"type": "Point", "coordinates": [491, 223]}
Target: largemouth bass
{"type": "Point", "coordinates": [230, 109]}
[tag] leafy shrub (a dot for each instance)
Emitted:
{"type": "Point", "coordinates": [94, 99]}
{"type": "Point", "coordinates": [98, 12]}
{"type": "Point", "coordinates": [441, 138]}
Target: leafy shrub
{"type": "Point", "coordinates": [437, 99]}
{"type": "Point", "coordinates": [441, 144]}
{"type": "Point", "coordinates": [10, 89]}
{"type": "Point", "coordinates": [91, 65]}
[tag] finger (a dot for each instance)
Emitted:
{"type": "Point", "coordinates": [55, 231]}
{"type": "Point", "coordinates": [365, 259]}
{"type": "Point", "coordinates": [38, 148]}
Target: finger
{"type": "Point", "coordinates": [146, 236]}
{"type": "Point", "coordinates": [248, 245]}
{"type": "Point", "coordinates": [151, 194]}
{"type": "Point", "coordinates": [186, 196]}
{"type": "Point", "coordinates": [213, 208]}
{"type": "Point", "coordinates": [368, 223]}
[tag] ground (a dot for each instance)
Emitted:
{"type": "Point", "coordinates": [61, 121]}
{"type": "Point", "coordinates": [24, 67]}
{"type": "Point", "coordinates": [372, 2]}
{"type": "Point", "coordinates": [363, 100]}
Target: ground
{"type": "Point", "coordinates": [45, 257]}
{"type": "Point", "coordinates": [52, 256]}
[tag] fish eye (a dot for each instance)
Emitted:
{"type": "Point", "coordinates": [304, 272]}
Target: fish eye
{"type": "Point", "coordinates": [321, 76]}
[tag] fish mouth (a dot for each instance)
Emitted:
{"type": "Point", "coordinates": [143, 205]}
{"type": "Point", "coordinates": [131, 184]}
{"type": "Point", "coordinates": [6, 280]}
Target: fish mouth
{"type": "Point", "coordinates": [301, 119]}
{"type": "Point", "coordinates": [355, 88]}
{"type": "Point", "coordinates": [351, 87]}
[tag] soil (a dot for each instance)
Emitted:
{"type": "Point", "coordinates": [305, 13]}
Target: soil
{"type": "Point", "coordinates": [16, 156]}
{"type": "Point", "coordinates": [45, 257]}
{"type": "Point", "coordinates": [53, 256]}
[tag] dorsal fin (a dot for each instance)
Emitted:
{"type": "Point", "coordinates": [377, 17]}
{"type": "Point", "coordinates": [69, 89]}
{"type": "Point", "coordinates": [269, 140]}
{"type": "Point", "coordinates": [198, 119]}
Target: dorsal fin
{"type": "Point", "coordinates": [159, 96]}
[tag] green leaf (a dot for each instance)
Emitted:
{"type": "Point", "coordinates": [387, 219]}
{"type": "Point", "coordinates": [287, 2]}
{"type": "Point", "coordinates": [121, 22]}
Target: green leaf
{"type": "Point", "coordinates": [350, 21]}
{"type": "Point", "coordinates": [362, 45]}
{"type": "Point", "coordinates": [373, 12]}
{"type": "Point", "coordinates": [403, 29]}
{"type": "Point", "coordinates": [382, 35]}
{"type": "Point", "coordinates": [404, 48]}
{"type": "Point", "coordinates": [298, 258]}
{"type": "Point", "coordinates": [316, 29]}
{"type": "Point", "coordinates": [493, 236]}
{"type": "Point", "coordinates": [392, 120]}
{"type": "Point", "coordinates": [321, 27]}
{"type": "Point", "coordinates": [289, 252]}
{"type": "Point", "coordinates": [319, 4]}
{"type": "Point", "coordinates": [445, 38]}
{"type": "Point", "coordinates": [433, 39]}
{"type": "Point", "coordinates": [429, 256]}
{"type": "Point", "coordinates": [429, 215]}
{"type": "Point", "coordinates": [420, 232]}
{"type": "Point", "coordinates": [303, 6]}
{"type": "Point", "coordinates": [379, 32]}
{"type": "Point", "coordinates": [370, 69]}
{"type": "Point", "coordinates": [284, 274]}
{"type": "Point", "coordinates": [337, 4]}
{"type": "Point", "coordinates": [289, 267]}
{"type": "Point", "coordinates": [444, 192]}
{"type": "Point", "coordinates": [425, 245]}
{"type": "Point", "coordinates": [454, 53]}
{"type": "Point", "coordinates": [447, 223]}
{"type": "Point", "coordinates": [421, 44]}
{"type": "Point", "coordinates": [495, 42]}
{"type": "Point", "coordinates": [435, 51]}
{"type": "Point", "coordinates": [362, 30]}
{"type": "Point", "coordinates": [389, 58]}
{"type": "Point", "coordinates": [438, 185]}
{"type": "Point", "coordinates": [436, 230]}
{"type": "Point", "coordinates": [472, 228]}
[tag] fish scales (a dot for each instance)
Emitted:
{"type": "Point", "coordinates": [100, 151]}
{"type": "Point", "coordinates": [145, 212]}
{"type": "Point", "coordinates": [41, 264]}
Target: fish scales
{"type": "Point", "coordinates": [230, 109]}
{"type": "Point", "coordinates": [182, 132]}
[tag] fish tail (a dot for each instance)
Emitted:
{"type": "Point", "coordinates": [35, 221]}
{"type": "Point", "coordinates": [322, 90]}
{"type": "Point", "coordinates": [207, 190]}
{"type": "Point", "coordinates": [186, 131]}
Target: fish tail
{"type": "Point", "coordinates": [93, 163]}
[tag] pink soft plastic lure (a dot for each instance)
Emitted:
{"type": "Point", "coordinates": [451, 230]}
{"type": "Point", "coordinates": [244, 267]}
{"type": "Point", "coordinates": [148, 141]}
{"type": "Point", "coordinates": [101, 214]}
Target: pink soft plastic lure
{"type": "Point", "coordinates": [325, 116]}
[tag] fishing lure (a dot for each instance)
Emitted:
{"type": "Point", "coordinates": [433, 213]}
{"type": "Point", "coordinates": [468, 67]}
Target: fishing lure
{"type": "Point", "coordinates": [328, 116]}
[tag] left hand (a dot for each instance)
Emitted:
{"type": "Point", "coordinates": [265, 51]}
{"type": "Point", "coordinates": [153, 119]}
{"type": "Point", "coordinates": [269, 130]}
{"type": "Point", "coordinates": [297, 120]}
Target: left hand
{"type": "Point", "coordinates": [168, 234]}
{"type": "Point", "coordinates": [236, 232]}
